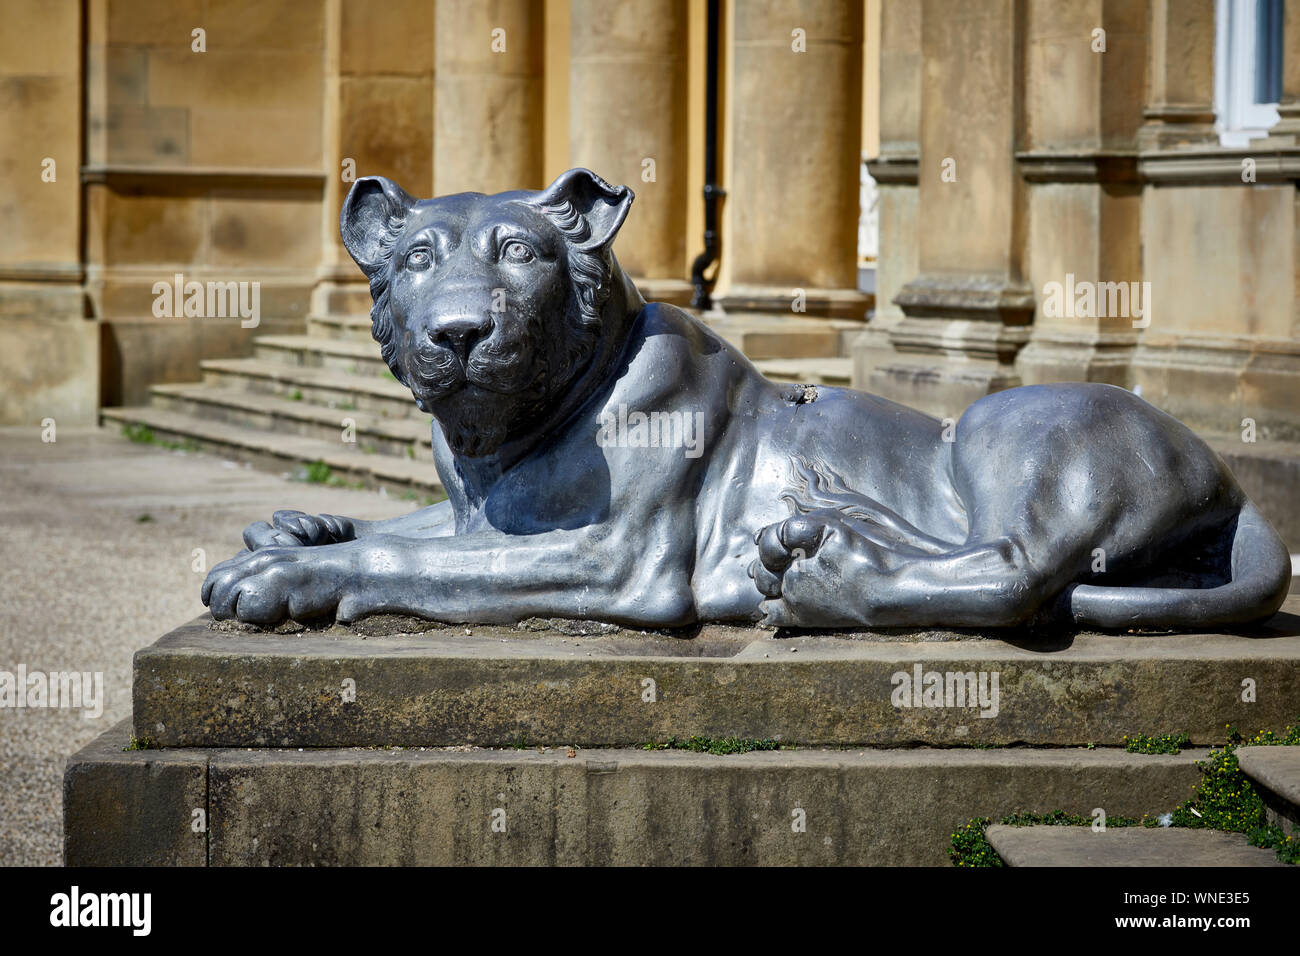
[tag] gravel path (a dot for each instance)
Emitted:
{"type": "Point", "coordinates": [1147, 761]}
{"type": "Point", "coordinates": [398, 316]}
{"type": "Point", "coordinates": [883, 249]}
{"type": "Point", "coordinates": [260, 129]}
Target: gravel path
{"type": "Point", "coordinates": [97, 560]}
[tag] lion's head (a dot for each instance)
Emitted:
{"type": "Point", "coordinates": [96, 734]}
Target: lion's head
{"type": "Point", "coordinates": [486, 307]}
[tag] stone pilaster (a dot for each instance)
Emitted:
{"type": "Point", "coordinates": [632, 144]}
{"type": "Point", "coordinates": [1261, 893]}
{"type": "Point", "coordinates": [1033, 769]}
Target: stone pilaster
{"type": "Point", "coordinates": [1180, 75]}
{"type": "Point", "coordinates": [376, 119]}
{"type": "Point", "coordinates": [1084, 106]}
{"type": "Point", "coordinates": [488, 101]}
{"type": "Point", "coordinates": [1219, 249]}
{"type": "Point", "coordinates": [49, 350]}
{"type": "Point", "coordinates": [792, 174]}
{"type": "Point", "coordinates": [895, 173]}
{"type": "Point", "coordinates": [966, 312]}
{"type": "Point", "coordinates": [627, 122]}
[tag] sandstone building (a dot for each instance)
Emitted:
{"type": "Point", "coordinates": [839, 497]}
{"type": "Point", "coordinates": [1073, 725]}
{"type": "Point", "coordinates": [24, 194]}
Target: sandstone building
{"type": "Point", "coordinates": [1101, 190]}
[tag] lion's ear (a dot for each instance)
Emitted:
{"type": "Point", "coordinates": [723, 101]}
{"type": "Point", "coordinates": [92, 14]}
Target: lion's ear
{"type": "Point", "coordinates": [366, 218]}
{"type": "Point", "coordinates": [602, 206]}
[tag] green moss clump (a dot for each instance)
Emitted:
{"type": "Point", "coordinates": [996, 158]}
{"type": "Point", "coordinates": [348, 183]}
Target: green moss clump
{"type": "Point", "coordinates": [969, 846]}
{"type": "Point", "coordinates": [1224, 800]}
{"type": "Point", "coordinates": [1159, 744]}
{"type": "Point", "coordinates": [714, 745]}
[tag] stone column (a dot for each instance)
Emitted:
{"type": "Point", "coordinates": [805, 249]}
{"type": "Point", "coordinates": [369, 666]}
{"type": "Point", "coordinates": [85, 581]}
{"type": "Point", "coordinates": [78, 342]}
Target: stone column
{"type": "Point", "coordinates": [627, 123]}
{"type": "Point", "coordinates": [1084, 69]}
{"type": "Point", "coordinates": [49, 351]}
{"type": "Point", "coordinates": [1180, 75]}
{"type": "Point", "coordinates": [967, 311]}
{"type": "Point", "coordinates": [894, 170]}
{"type": "Point", "coordinates": [793, 159]}
{"type": "Point", "coordinates": [377, 119]}
{"type": "Point", "coordinates": [488, 96]}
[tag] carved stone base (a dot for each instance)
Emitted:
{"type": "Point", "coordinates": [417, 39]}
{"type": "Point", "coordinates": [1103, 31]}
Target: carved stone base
{"type": "Point", "coordinates": [529, 806]}
{"type": "Point", "coordinates": [939, 366]}
{"type": "Point", "coordinates": [1214, 384]}
{"type": "Point", "coordinates": [782, 300]}
{"type": "Point", "coordinates": [599, 685]}
{"type": "Point", "coordinates": [1076, 355]}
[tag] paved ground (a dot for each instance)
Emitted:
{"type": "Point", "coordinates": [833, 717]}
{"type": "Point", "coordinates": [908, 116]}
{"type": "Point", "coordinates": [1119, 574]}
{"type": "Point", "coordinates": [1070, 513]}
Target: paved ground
{"type": "Point", "coordinates": [97, 561]}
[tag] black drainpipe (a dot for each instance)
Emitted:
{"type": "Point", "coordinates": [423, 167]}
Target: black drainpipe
{"type": "Point", "coordinates": [713, 193]}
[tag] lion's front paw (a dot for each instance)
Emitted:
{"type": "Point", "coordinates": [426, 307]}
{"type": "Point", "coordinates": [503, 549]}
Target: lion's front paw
{"type": "Point", "coordinates": [816, 571]}
{"type": "Point", "coordinates": [289, 529]}
{"type": "Point", "coordinates": [271, 584]}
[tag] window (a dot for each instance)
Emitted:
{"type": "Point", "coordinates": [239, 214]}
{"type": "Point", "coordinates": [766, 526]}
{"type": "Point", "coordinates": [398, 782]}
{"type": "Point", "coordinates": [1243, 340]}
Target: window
{"type": "Point", "coordinates": [1247, 68]}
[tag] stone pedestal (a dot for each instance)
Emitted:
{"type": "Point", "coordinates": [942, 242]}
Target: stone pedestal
{"type": "Point", "coordinates": [390, 743]}
{"type": "Point", "coordinates": [529, 806]}
{"type": "Point", "coordinates": [199, 687]}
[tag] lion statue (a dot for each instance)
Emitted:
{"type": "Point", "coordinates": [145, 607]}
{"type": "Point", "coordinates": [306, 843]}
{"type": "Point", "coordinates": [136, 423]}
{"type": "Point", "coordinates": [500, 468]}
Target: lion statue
{"type": "Point", "coordinates": [609, 459]}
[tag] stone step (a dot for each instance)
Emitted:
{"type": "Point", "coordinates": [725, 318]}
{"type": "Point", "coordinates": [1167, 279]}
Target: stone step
{"type": "Point", "coordinates": [1125, 846]}
{"type": "Point", "coordinates": [353, 328]}
{"type": "Point", "coordinates": [1275, 774]}
{"type": "Point", "coordinates": [403, 437]}
{"type": "Point", "coordinates": [593, 685]}
{"type": "Point", "coordinates": [272, 451]}
{"type": "Point", "coordinates": [344, 298]}
{"type": "Point", "coordinates": [820, 371]}
{"type": "Point", "coordinates": [344, 391]}
{"type": "Point", "coordinates": [310, 351]}
{"type": "Point", "coordinates": [575, 806]}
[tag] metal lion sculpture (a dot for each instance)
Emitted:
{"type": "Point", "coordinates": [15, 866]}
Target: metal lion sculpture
{"type": "Point", "coordinates": [609, 459]}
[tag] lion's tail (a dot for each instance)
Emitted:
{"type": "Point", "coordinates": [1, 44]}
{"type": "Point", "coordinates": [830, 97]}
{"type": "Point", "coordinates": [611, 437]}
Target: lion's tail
{"type": "Point", "coordinates": [1261, 576]}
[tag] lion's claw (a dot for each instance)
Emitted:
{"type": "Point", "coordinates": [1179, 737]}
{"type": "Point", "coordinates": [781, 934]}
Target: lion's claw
{"type": "Point", "coordinates": [815, 570]}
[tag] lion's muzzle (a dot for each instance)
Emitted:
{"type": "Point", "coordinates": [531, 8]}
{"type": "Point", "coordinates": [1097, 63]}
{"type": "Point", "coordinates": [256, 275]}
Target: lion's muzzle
{"type": "Point", "coordinates": [460, 333]}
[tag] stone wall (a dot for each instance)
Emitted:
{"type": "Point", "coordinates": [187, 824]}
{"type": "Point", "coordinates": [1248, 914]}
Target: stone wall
{"type": "Point", "coordinates": [49, 352]}
{"type": "Point", "coordinates": [1013, 153]}
{"type": "Point", "coordinates": [1081, 149]}
{"type": "Point", "coordinates": [203, 159]}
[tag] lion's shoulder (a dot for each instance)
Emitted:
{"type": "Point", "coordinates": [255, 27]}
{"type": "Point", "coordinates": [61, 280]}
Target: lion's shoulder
{"type": "Point", "coordinates": [674, 358]}
{"type": "Point", "coordinates": [675, 329]}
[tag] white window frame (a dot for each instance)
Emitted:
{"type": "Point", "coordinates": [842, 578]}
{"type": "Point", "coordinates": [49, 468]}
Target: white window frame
{"type": "Point", "coordinates": [1238, 118]}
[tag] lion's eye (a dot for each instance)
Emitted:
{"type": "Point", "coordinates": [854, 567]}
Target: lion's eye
{"type": "Point", "coordinates": [419, 258]}
{"type": "Point", "coordinates": [516, 251]}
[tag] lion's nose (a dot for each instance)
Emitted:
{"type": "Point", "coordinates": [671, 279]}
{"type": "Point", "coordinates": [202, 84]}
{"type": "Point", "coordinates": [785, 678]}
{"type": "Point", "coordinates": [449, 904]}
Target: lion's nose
{"type": "Point", "coordinates": [460, 333]}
